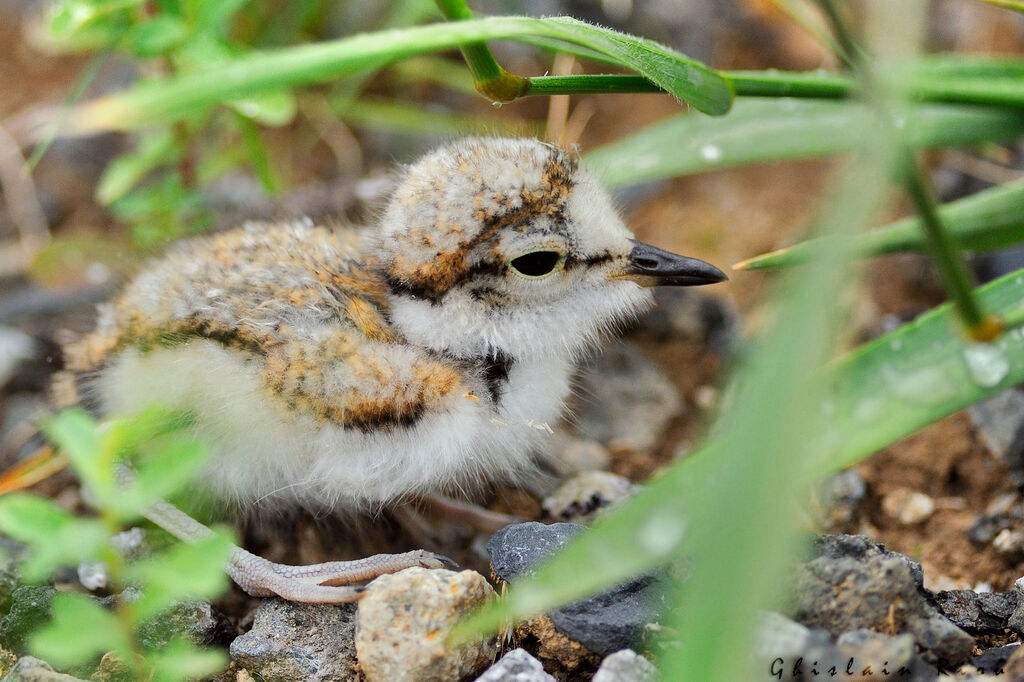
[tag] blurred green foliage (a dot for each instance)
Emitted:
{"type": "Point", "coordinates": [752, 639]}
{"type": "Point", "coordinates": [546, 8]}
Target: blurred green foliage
{"type": "Point", "coordinates": [124, 465]}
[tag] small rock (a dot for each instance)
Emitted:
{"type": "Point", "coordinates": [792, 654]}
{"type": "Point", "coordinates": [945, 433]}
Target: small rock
{"type": "Point", "coordinates": [994, 660]}
{"type": "Point", "coordinates": [1016, 620]}
{"type": "Point", "coordinates": [404, 619]}
{"type": "Point", "coordinates": [889, 658]}
{"type": "Point", "coordinates": [1014, 668]}
{"type": "Point", "coordinates": [908, 506]}
{"type": "Point", "coordinates": [199, 621]}
{"type": "Point", "coordinates": [626, 666]}
{"type": "Point", "coordinates": [1000, 421]}
{"type": "Point", "coordinates": [839, 496]}
{"type": "Point", "coordinates": [980, 613]}
{"type": "Point", "coordinates": [605, 623]}
{"type": "Point", "coordinates": [857, 584]}
{"type": "Point", "coordinates": [30, 608]}
{"type": "Point", "coordinates": [516, 666]}
{"type": "Point", "coordinates": [630, 400]}
{"type": "Point", "coordinates": [31, 669]}
{"type": "Point", "coordinates": [985, 528]}
{"type": "Point", "coordinates": [15, 346]}
{"type": "Point", "coordinates": [586, 494]}
{"type": "Point", "coordinates": [1009, 542]}
{"type": "Point", "coordinates": [291, 641]}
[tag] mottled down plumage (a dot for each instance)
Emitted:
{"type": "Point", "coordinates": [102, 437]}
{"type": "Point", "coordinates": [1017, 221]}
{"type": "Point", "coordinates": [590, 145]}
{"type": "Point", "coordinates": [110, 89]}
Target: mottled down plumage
{"type": "Point", "coordinates": [343, 368]}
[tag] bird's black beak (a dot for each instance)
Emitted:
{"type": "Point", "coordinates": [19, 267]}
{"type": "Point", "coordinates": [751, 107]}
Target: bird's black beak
{"type": "Point", "coordinates": [650, 266]}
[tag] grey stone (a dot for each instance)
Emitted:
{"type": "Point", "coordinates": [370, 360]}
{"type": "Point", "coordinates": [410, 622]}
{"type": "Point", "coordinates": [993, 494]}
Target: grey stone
{"type": "Point", "coordinates": [856, 583]}
{"type": "Point", "coordinates": [993, 661]}
{"type": "Point", "coordinates": [840, 496]}
{"type": "Point", "coordinates": [29, 609]}
{"type": "Point", "coordinates": [979, 613]}
{"type": "Point", "coordinates": [626, 666]}
{"type": "Point", "coordinates": [30, 669]}
{"type": "Point", "coordinates": [403, 623]}
{"type": "Point", "coordinates": [881, 652]}
{"type": "Point", "coordinates": [586, 494]}
{"type": "Point", "coordinates": [605, 623]}
{"type": "Point", "coordinates": [985, 527]}
{"type": "Point", "coordinates": [516, 666]}
{"type": "Point", "coordinates": [630, 401]}
{"type": "Point", "coordinates": [199, 621]}
{"type": "Point", "coordinates": [1016, 620]}
{"type": "Point", "coordinates": [1000, 422]}
{"type": "Point", "coordinates": [290, 641]}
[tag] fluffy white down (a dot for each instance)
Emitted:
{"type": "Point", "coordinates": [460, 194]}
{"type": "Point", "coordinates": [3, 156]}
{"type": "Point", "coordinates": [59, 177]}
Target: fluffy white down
{"type": "Point", "coordinates": [263, 456]}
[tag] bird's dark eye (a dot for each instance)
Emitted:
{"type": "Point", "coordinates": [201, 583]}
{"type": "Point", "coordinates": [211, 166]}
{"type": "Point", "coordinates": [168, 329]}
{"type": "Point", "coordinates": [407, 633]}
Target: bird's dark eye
{"type": "Point", "coordinates": [537, 263]}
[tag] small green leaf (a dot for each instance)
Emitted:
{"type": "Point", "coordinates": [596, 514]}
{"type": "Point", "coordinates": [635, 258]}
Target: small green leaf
{"type": "Point", "coordinates": [181, 660]}
{"type": "Point", "coordinates": [57, 537]}
{"type": "Point", "coordinates": [156, 36]}
{"type": "Point", "coordinates": [80, 631]}
{"type": "Point", "coordinates": [167, 465]}
{"type": "Point", "coordinates": [75, 433]}
{"type": "Point", "coordinates": [187, 570]}
{"type": "Point", "coordinates": [79, 25]}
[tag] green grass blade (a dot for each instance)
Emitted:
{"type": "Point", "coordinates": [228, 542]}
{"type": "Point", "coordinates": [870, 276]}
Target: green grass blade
{"type": "Point", "coordinates": [758, 131]}
{"type": "Point", "coordinates": [684, 78]}
{"type": "Point", "coordinates": [990, 219]}
{"type": "Point", "coordinates": [919, 373]}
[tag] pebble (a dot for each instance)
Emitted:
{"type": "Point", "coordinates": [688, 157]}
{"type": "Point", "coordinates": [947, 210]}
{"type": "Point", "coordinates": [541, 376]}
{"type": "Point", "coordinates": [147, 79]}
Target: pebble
{"type": "Point", "coordinates": [31, 669]}
{"type": "Point", "coordinates": [292, 641]}
{"type": "Point", "coordinates": [839, 497]}
{"type": "Point", "coordinates": [404, 619]}
{"type": "Point", "coordinates": [585, 494]}
{"type": "Point", "coordinates": [980, 613]}
{"type": "Point", "coordinates": [995, 659]}
{"type": "Point", "coordinates": [856, 583]}
{"type": "Point", "coordinates": [998, 420]}
{"type": "Point", "coordinates": [604, 623]}
{"type": "Point", "coordinates": [629, 400]}
{"type": "Point", "coordinates": [1009, 542]}
{"type": "Point", "coordinates": [199, 621]}
{"type": "Point", "coordinates": [516, 666]}
{"type": "Point", "coordinates": [908, 506]}
{"type": "Point", "coordinates": [1016, 620]}
{"type": "Point", "coordinates": [626, 666]}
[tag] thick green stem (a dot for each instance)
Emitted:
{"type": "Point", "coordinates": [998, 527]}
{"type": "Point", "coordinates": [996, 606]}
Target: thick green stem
{"type": "Point", "coordinates": [491, 80]}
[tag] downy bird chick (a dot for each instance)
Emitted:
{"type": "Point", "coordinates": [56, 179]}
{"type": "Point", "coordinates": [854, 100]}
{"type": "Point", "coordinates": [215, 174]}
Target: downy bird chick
{"type": "Point", "coordinates": [345, 370]}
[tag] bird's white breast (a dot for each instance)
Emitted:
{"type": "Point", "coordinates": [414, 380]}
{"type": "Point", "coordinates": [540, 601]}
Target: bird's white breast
{"type": "Point", "coordinates": [263, 454]}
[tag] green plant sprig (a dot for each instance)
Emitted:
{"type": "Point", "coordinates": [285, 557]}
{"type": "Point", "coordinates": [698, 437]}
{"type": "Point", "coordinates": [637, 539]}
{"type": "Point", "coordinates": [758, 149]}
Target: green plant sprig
{"type": "Point", "coordinates": [80, 630]}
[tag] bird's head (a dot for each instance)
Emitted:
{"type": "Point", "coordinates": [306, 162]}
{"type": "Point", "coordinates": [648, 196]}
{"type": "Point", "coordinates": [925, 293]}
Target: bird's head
{"type": "Point", "coordinates": [494, 245]}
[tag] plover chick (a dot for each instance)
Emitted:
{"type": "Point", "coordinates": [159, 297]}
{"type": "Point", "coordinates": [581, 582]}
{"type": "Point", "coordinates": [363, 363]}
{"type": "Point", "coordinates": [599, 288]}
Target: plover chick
{"type": "Point", "coordinates": [345, 370]}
